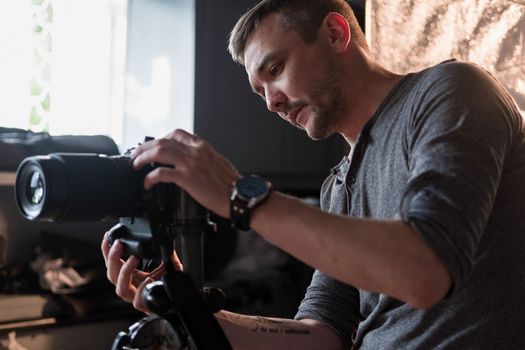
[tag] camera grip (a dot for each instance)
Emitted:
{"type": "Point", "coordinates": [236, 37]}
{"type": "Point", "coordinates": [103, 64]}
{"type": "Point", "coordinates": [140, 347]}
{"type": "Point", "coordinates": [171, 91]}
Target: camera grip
{"type": "Point", "coordinates": [132, 244]}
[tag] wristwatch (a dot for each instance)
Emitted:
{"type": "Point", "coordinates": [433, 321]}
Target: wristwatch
{"type": "Point", "coordinates": [247, 193]}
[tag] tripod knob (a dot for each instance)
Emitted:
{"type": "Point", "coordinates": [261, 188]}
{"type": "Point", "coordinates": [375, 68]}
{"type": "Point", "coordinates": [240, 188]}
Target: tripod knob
{"type": "Point", "coordinates": [155, 298]}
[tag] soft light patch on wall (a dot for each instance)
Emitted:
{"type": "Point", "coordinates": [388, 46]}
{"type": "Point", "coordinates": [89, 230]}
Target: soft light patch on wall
{"type": "Point", "coordinates": [150, 104]}
{"type": "Point", "coordinates": [410, 35]}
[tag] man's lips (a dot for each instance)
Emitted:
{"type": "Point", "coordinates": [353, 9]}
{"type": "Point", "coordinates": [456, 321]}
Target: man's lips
{"type": "Point", "coordinates": [292, 116]}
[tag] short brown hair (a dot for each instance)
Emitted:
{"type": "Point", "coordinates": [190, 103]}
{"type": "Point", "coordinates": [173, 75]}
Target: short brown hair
{"type": "Point", "coordinates": [303, 16]}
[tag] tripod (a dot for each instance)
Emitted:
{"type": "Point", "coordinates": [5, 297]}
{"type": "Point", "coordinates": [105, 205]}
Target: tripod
{"type": "Point", "coordinates": [183, 309]}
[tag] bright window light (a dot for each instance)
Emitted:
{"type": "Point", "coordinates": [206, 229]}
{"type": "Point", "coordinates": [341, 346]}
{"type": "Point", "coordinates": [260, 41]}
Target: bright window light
{"type": "Point", "coordinates": [123, 68]}
{"type": "Point", "coordinates": [56, 65]}
{"type": "Point", "coordinates": [16, 36]}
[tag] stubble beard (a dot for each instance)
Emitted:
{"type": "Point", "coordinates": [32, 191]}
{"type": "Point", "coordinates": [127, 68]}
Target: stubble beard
{"type": "Point", "coordinates": [328, 110]}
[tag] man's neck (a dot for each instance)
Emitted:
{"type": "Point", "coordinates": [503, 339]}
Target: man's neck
{"type": "Point", "coordinates": [368, 85]}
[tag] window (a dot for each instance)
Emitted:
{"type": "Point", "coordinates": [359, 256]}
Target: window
{"type": "Point", "coordinates": [123, 68]}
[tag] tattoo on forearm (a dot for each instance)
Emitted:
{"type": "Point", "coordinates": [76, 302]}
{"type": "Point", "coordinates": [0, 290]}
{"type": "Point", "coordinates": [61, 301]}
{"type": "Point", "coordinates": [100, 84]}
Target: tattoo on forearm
{"type": "Point", "coordinates": [267, 325]}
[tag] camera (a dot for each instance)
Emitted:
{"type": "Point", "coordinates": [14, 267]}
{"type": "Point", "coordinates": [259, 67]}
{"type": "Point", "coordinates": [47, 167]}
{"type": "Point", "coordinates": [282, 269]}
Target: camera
{"type": "Point", "coordinates": [71, 187]}
{"type": "Point", "coordinates": [75, 187]}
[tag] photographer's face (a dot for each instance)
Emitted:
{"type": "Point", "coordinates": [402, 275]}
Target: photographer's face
{"type": "Point", "coordinates": [298, 81]}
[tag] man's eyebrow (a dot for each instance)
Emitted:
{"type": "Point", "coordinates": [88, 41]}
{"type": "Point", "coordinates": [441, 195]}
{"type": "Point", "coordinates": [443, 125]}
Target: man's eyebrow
{"type": "Point", "coordinates": [267, 58]}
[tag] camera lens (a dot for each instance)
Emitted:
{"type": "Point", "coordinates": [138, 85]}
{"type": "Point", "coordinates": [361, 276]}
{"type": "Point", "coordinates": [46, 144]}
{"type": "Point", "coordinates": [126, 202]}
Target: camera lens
{"type": "Point", "coordinates": [35, 190]}
{"type": "Point", "coordinates": [72, 187]}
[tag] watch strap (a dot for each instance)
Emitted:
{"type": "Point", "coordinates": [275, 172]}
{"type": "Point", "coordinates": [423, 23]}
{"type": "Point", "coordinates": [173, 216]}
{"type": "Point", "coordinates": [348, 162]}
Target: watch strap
{"type": "Point", "coordinates": [240, 215]}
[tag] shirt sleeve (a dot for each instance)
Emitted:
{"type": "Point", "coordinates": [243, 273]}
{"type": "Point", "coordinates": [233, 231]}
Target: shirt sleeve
{"type": "Point", "coordinates": [458, 137]}
{"type": "Point", "coordinates": [334, 304]}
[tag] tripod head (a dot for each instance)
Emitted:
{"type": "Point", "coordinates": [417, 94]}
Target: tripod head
{"type": "Point", "coordinates": [183, 308]}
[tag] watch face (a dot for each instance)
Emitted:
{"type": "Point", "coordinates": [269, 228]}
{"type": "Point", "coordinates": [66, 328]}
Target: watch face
{"type": "Point", "coordinates": [252, 186]}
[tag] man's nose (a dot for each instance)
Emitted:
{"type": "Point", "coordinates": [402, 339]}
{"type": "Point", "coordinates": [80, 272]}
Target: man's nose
{"type": "Point", "coordinates": [275, 100]}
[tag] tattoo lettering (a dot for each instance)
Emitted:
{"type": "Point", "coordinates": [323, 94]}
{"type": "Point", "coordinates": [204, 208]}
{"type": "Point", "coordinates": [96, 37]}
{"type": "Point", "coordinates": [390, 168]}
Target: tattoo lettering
{"type": "Point", "coordinates": [265, 325]}
{"type": "Point", "coordinates": [260, 324]}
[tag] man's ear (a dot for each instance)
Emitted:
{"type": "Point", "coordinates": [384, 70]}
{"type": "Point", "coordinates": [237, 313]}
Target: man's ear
{"type": "Point", "coordinates": [338, 31]}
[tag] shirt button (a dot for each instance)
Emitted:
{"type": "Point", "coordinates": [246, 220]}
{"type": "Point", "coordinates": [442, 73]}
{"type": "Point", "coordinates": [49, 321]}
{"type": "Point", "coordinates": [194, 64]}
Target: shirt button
{"type": "Point", "coordinates": [351, 179]}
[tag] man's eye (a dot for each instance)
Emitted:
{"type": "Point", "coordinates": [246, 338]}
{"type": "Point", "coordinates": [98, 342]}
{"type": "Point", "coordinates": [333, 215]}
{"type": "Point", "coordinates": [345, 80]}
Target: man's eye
{"type": "Point", "coordinates": [274, 70]}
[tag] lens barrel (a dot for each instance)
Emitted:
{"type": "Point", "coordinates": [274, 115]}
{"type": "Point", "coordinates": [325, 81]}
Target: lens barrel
{"type": "Point", "coordinates": [72, 187]}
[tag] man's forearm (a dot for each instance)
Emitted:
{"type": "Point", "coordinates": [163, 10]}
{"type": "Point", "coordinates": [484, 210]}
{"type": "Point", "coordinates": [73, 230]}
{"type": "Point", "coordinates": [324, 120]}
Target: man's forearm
{"type": "Point", "coordinates": [384, 256]}
{"type": "Point", "coordinates": [256, 332]}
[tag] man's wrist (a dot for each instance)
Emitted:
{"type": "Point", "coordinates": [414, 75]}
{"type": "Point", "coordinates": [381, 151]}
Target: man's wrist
{"type": "Point", "coordinates": [247, 194]}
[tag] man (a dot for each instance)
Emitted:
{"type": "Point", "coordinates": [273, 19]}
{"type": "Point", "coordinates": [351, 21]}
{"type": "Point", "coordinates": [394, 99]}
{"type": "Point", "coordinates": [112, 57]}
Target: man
{"type": "Point", "coordinates": [420, 242]}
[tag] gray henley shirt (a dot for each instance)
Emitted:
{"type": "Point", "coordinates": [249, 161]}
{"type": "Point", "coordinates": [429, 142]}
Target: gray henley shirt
{"type": "Point", "coordinates": [445, 152]}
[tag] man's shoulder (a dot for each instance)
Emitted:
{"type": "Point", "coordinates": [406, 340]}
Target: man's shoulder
{"type": "Point", "coordinates": [450, 78]}
{"type": "Point", "coordinates": [454, 64]}
{"type": "Point", "coordinates": [456, 72]}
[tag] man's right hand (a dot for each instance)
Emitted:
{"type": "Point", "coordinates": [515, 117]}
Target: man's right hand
{"type": "Point", "coordinates": [128, 280]}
